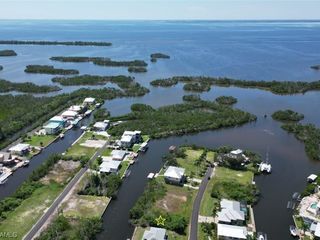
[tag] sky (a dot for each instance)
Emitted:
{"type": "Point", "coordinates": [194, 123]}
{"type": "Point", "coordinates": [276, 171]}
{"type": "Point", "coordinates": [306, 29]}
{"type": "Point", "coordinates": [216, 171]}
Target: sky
{"type": "Point", "coordinates": [160, 9]}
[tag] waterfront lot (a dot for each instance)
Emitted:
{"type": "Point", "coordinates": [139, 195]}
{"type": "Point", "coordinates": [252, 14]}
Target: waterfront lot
{"type": "Point", "coordinates": [40, 140]}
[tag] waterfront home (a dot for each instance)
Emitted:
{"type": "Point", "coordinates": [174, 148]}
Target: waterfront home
{"type": "Point", "coordinates": [101, 126]}
{"type": "Point", "coordinates": [154, 234]}
{"type": "Point", "coordinates": [20, 149]}
{"type": "Point", "coordinates": [52, 128]}
{"type": "Point", "coordinates": [58, 119]}
{"type": "Point", "coordinates": [5, 157]}
{"type": "Point", "coordinates": [174, 175]}
{"type": "Point", "coordinates": [238, 154]}
{"type": "Point", "coordinates": [309, 209]}
{"type": "Point", "coordinates": [129, 138]}
{"type": "Point", "coordinates": [227, 232]}
{"type": "Point", "coordinates": [70, 115]}
{"type": "Point", "coordinates": [76, 108]}
{"type": "Point", "coordinates": [315, 230]}
{"type": "Point", "coordinates": [109, 166]}
{"type": "Point", "coordinates": [89, 101]}
{"type": "Point", "coordinates": [118, 155]}
{"type": "Point", "coordinates": [232, 212]}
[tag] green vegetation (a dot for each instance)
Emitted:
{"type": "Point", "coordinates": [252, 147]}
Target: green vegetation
{"type": "Point", "coordinates": [226, 100]}
{"type": "Point", "coordinates": [101, 114]}
{"type": "Point", "coordinates": [309, 134]}
{"type": "Point", "coordinates": [101, 185]}
{"type": "Point", "coordinates": [39, 140]}
{"type": "Point", "coordinates": [26, 87]}
{"type": "Point", "coordinates": [206, 230]}
{"type": "Point", "coordinates": [137, 69]}
{"type": "Point", "coordinates": [7, 53]}
{"type": "Point", "coordinates": [156, 56]}
{"type": "Point", "coordinates": [180, 119]}
{"type": "Point", "coordinates": [287, 116]}
{"type": "Point", "coordinates": [191, 98]}
{"type": "Point", "coordinates": [48, 69]}
{"type": "Point", "coordinates": [67, 43]}
{"type": "Point", "coordinates": [110, 63]}
{"type": "Point", "coordinates": [76, 59]}
{"type": "Point", "coordinates": [276, 87]}
{"type": "Point", "coordinates": [64, 228]}
{"type": "Point", "coordinates": [197, 87]}
{"type": "Point", "coordinates": [316, 67]}
{"type": "Point", "coordinates": [235, 185]}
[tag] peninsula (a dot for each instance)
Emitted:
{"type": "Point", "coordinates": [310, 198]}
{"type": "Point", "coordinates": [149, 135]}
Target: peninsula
{"type": "Point", "coordinates": [48, 69]}
{"type": "Point", "coordinates": [26, 87]}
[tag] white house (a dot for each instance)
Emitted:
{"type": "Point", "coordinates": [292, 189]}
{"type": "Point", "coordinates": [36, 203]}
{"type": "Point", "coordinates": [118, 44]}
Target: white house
{"type": "Point", "coordinates": [20, 149]}
{"type": "Point", "coordinates": [109, 166]}
{"type": "Point", "coordinates": [231, 232]}
{"type": "Point", "coordinates": [101, 126]}
{"type": "Point", "coordinates": [52, 128]}
{"type": "Point", "coordinates": [231, 212]}
{"type": "Point", "coordinates": [89, 101]}
{"type": "Point", "coordinates": [174, 175]}
{"type": "Point", "coordinates": [69, 115]}
{"type": "Point", "coordinates": [75, 108]}
{"type": "Point", "coordinates": [118, 155]}
{"type": "Point", "coordinates": [129, 138]}
{"type": "Point", "coordinates": [154, 234]}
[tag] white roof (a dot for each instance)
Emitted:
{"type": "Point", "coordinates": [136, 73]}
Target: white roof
{"type": "Point", "coordinates": [131, 133]}
{"type": "Point", "coordinates": [317, 231]}
{"type": "Point", "coordinates": [174, 172]}
{"type": "Point", "coordinates": [89, 100]}
{"type": "Point", "coordinates": [154, 234]}
{"type": "Point", "coordinates": [75, 108]}
{"type": "Point", "coordinates": [230, 211]}
{"type": "Point", "coordinates": [312, 177]}
{"type": "Point", "coordinates": [107, 165]}
{"type": "Point", "coordinates": [57, 118]}
{"type": "Point", "coordinates": [236, 152]}
{"type": "Point", "coordinates": [118, 154]}
{"type": "Point", "coordinates": [69, 113]}
{"type": "Point", "coordinates": [232, 231]}
{"type": "Point", "coordinates": [126, 138]}
{"type": "Point", "coordinates": [100, 125]}
{"type": "Point", "coordinates": [19, 147]}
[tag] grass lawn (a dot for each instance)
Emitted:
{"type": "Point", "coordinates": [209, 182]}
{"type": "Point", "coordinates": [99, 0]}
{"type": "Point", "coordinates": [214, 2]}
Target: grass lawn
{"type": "Point", "coordinates": [44, 139]}
{"type": "Point", "coordinates": [85, 206]}
{"type": "Point", "coordinates": [189, 160]}
{"type": "Point", "coordinates": [106, 152]}
{"type": "Point", "coordinates": [27, 214]}
{"type": "Point", "coordinates": [222, 174]}
{"type": "Point", "coordinates": [77, 151]}
{"type": "Point", "coordinates": [124, 167]}
{"type": "Point", "coordinates": [145, 138]}
{"type": "Point", "coordinates": [136, 147]}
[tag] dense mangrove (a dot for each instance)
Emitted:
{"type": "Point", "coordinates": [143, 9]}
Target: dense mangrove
{"type": "Point", "coordinates": [7, 53]}
{"type": "Point", "coordinates": [26, 87]}
{"type": "Point", "coordinates": [155, 56]}
{"type": "Point", "coordinates": [287, 116]}
{"type": "Point", "coordinates": [137, 69]}
{"type": "Point", "coordinates": [48, 69]}
{"type": "Point", "coordinates": [226, 100]}
{"type": "Point", "coordinates": [276, 87]}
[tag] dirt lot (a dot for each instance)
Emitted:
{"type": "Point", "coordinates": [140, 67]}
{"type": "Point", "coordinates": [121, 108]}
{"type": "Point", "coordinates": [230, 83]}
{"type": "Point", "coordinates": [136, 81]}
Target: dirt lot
{"type": "Point", "coordinates": [61, 172]}
{"type": "Point", "coordinates": [172, 201]}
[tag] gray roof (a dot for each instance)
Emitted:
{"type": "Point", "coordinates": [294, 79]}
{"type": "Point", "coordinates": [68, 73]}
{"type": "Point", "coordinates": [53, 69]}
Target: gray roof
{"type": "Point", "coordinates": [154, 234]}
{"type": "Point", "coordinates": [230, 211]}
{"type": "Point", "coordinates": [174, 172]}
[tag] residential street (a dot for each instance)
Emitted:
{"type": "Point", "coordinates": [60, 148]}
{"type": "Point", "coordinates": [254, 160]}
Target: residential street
{"type": "Point", "coordinates": [196, 205]}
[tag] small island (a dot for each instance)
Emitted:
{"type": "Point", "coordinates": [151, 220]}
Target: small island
{"type": "Point", "coordinates": [276, 87]}
{"type": "Point", "coordinates": [156, 56]}
{"type": "Point", "coordinates": [191, 98]}
{"type": "Point", "coordinates": [316, 67]}
{"type": "Point", "coordinates": [92, 80]}
{"type": "Point", "coordinates": [77, 59]}
{"type": "Point", "coordinates": [137, 69]}
{"type": "Point", "coordinates": [7, 53]}
{"type": "Point", "coordinates": [111, 63]}
{"type": "Point", "coordinates": [226, 100]}
{"type": "Point", "coordinates": [197, 87]}
{"type": "Point", "coordinates": [67, 43]}
{"type": "Point", "coordinates": [48, 69]}
{"type": "Point", "coordinates": [287, 116]}
{"type": "Point", "coordinates": [1, 68]}
{"type": "Point", "coordinates": [26, 87]}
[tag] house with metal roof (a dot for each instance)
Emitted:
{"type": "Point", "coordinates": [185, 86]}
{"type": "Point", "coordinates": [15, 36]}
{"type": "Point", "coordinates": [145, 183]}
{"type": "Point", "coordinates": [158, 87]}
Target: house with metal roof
{"type": "Point", "coordinates": [52, 128]}
{"type": "Point", "coordinates": [20, 149]}
{"type": "Point", "coordinates": [109, 166]}
{"type": "Point", "coordinates": [231, 212]}
{"type": "Point", "coordinates": [174, 175]}
{"type": "Point", "coordinates": [154, 234]}
{"type": "Point", "coordinates": [226, 232]}
{"type": "Point", "coordinates": [118, 155]}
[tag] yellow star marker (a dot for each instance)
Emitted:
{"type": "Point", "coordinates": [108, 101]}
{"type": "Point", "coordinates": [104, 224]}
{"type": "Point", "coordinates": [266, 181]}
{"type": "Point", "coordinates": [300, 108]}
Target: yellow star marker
{"type": "Point", "coordinates": [160, 221]}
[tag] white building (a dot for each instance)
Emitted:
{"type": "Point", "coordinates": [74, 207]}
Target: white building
{"type": "Point", "coordinates": [174, 175]}
{"type": "Point", "coordinates": [89, 101]}
{"type": "Point", "coordinates": [75, 108]}
{"type": "Point", "coordinates": [154, 234]}
{"type": "Point", "coordinates": [129, 138]}
{"type": "Point", "coordinates": [118, 155]}
{"type": "Point", "coordinates": [20, 149]}
{"type": "Point", "coordinates": [101, 126]}
{"type": "Point", "coordinates": [231, 212]}
{"type": "Point", "coordinates": [109, 166]}
{"type": "Point", "coordinates": [69, 115]}
{"type": "Point", "coordinates": [52, 128]}
{"type": "Point", "coordinates": [231, 232]}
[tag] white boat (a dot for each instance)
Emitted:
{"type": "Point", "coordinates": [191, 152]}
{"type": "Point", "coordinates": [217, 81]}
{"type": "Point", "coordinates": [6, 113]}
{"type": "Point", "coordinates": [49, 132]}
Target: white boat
{"type": "Point", "coordinates": [293, 231]}
{"type": "Point", "coordinates": [87, 113]}
{"type": "Point", "coordinates": [265, 167]}
{"type": "Point", "coordinates": [261, 236]}
{"type": "Point", "coordinates": [150, 176]}
{"type": "Point", "coordinates": [143, 147]}
{"type": "Point", "coordinates": [25, 163]}
{"type": "Point", "coordinates": [61, 135]}
{"type": "Point", "coordinates": [84, 128]}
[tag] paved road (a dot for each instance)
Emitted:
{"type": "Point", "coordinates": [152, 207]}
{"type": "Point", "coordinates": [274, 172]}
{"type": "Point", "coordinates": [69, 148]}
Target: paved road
{"type": "Point", "coordinates": [196, 205]}
{"type": "Point", "coordinates": [35, 229]}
